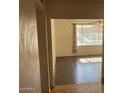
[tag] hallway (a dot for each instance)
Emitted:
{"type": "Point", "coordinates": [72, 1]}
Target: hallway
{"type": "Point", "coordinates": [73, 70]}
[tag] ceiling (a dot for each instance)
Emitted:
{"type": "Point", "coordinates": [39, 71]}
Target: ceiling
{"type": "Point", "coordinates": [82, 1]}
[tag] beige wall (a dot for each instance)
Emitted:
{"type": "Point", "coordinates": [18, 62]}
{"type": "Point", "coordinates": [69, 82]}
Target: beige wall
{"type": "Point", "coordinates": [64, 39]}
{"type": "Point", "coordinates": [29, 70]}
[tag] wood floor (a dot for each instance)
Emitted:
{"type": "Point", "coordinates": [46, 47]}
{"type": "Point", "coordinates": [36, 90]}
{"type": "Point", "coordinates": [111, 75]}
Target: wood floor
{"type": "Point", "coordinates": [73, 70]}
{"type": "Point", "coordinates": [79, 88]}
{"type": "Point", "coordinates": [78, 75]}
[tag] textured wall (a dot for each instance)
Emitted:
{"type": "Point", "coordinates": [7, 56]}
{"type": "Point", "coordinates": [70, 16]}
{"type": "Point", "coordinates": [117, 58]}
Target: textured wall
{"type": "Point", "coordinates": [28, 51]}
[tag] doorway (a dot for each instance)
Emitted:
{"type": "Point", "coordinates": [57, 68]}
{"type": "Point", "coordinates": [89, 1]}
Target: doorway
{"type": "Point", "coordinates": [77, 49]}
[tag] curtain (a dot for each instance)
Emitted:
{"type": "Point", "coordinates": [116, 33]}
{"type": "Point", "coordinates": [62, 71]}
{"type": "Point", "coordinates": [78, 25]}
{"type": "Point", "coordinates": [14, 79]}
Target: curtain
{"type": "Point", "coordinates": [74, 39]}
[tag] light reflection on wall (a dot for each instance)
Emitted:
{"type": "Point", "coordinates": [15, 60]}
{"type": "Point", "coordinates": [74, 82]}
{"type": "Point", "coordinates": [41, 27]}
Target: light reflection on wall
{"type": "Point", "coordinates": [29, 70]}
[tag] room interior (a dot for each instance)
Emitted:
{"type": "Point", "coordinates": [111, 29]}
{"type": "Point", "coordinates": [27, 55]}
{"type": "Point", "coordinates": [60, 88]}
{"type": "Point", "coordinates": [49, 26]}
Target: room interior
{"type": "Point", "coordinates": [84, 65]}
{"type": "Point", "coordinates": [37, 47]}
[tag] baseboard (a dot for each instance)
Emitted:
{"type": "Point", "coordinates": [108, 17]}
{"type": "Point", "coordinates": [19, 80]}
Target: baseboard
{"type": "Point", "coordinates": [80, 56]}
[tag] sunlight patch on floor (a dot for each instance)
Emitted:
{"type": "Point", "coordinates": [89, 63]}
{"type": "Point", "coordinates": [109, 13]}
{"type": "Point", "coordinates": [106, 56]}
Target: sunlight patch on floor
{"type": "Point", "coordinates": [88, 60]}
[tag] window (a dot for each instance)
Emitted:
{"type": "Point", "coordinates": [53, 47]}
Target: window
{"type": "Point", "coordinates": [89, 34]}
